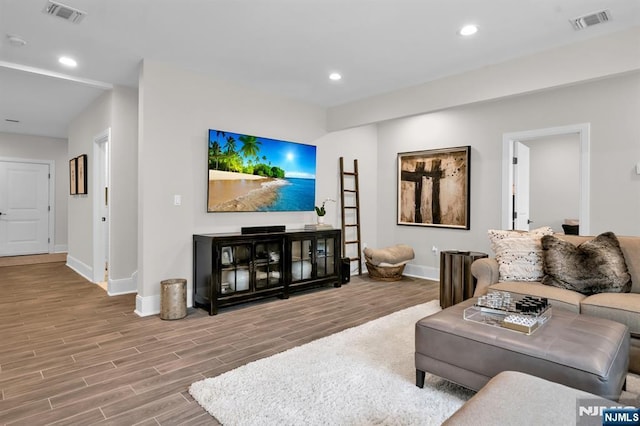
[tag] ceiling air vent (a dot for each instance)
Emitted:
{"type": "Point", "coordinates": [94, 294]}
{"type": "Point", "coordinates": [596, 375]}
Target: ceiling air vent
{"type": "Point", "coordinates": [591, 19]}
{"type": "Point", "coordinates": [63, 11]}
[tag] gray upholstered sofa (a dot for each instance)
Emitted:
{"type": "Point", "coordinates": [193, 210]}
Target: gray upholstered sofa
{"type": "Point", "coordinates": [620, 307]}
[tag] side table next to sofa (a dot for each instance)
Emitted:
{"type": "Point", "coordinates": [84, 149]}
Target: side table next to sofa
{"type": "Point", "coordinates": [456, 281]}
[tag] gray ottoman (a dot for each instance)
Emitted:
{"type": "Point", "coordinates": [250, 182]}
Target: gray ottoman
{"type": "Point", "coordinates": [582, 352]}
{"type": "Point", "coordinates": [517, 399]}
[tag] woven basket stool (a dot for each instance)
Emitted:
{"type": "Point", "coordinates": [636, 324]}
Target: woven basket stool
{"type": "Point", "coordinates": [385, 273]}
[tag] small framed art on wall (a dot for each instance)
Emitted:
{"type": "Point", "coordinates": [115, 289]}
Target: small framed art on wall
{"type": "Point", "coordinates": [73, 188]}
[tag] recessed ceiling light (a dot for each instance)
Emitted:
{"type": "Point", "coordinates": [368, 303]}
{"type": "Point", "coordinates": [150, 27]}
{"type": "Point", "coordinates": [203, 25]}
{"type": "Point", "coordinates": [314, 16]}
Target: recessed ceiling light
{"type": "Point", "coordinates": [67, 61]}
{"type": "Point", "coordinates": [468, 30]}
{"type": "Point", "coordinates": [335, 76]}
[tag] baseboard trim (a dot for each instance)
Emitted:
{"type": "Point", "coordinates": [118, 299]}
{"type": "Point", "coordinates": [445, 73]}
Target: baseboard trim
{"type": "Point", "coordinates": [150, 305]}
{"type": "Point", "coordinates": [85, 270]}
{"type": "Point", "coordinates": [123, 285]}
{"type": "Point", "coordinates": [147, 306]}
{"type": "Point", "coordinates": [417, 271]}
{"type": "Point", "coordinates": [420, 271]}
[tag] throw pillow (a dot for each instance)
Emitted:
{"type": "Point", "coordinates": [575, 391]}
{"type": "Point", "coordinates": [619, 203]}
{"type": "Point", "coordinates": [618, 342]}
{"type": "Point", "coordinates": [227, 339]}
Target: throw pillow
{"type": "Point", "coordinates": [519, 253]}
{"type": "Point", "coordinates": [595, 266]}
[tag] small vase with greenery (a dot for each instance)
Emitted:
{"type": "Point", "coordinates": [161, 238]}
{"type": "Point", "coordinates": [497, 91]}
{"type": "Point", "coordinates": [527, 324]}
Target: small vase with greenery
{"type": "Point", "coordinates": [321, 211]}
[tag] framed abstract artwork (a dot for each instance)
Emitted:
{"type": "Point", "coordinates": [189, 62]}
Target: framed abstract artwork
{"type": "Point", "coordinates": [81, 174]}
{"type": "Point", "coordinates": [434, 187]}
{"type": "Point", "coordinates": [73, 187]}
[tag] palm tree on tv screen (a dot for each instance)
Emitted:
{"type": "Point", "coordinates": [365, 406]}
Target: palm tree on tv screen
{"type": "Point", "coordinates": [250, 146]}
{"type": "Point", "coordinates": [220, 133]}
{"type": "Point", "coordinates": [214, 153]}
{"type": "Point", "coordinates": [231, 145]}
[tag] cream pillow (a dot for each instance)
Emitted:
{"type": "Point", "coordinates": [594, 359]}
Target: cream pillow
{"type": "Point", "coordinates": [519, 253]}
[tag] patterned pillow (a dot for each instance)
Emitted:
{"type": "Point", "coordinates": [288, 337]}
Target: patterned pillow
{"type": "Point", "coordinates": [595, 266]}
{"type": "Point", "coordinates": [519, 253]}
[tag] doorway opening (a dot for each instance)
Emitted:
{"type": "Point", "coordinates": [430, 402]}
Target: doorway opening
{"type": "Point", "coordinates": [101, 183]}
{"type": "Point", "coordinates": [509, 172]}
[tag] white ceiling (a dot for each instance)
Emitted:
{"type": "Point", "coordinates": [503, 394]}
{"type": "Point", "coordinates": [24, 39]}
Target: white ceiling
{"type": "Point", "coordinates": [286, 47]}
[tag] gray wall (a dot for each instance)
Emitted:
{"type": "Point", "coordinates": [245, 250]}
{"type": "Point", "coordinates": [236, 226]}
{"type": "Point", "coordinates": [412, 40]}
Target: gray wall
{"type": "Point", "coordinates": [115, 110]}
{"type": "Point", "coordinates": [174, 119]}
{"type": "Point", "coordinates": [123, 230]}
{"type": "Point", "coordinates": [51, 149]}
{"type": "Point", "coordinates": [90, 123]}
{"type": "Point", "coordinates": [610, 105]}
{"type": "Point", "coordinates": [554, 180]}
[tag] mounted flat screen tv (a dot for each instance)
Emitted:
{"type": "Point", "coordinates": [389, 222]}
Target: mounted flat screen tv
{"type": "Point", "coordinates": [255, 174]}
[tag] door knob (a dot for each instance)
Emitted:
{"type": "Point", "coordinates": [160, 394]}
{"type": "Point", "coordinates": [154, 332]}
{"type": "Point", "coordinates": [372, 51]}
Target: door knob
{"type": "Point", "coordinates": [529, 221]}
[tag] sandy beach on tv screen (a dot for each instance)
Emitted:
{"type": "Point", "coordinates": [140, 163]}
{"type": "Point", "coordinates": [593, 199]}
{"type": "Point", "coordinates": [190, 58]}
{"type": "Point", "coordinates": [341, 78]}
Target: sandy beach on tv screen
{"type": "Point", "coordinates": [239, 192]}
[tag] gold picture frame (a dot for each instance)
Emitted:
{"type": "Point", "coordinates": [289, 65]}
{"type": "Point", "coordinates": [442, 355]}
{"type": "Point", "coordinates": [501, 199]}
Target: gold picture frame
{"type": "Point", "coordinates": [73, 183]}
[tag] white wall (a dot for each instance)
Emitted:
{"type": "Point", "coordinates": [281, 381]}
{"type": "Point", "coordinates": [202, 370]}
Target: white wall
{"type": "Point", "coordinates": [354, 144]}
{"type": "Point", "coordinates": [44, 148]}
{"type": "Point", "coordinates": [174, 119]}
{"type": "Point", "coordinates": [123, 227]}
{"type": "Point", "coordinates": [91, 122]}
{"type": "Point", "coordinates": [117, 110]}
{"type": "Point", "coordinates": [611, 106]}
{"type": "Point", "coordinates": [554, 180]}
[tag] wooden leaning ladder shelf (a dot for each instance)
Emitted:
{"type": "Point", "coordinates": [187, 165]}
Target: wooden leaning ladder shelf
{"type": "Point", "coordinates": [350, 206]}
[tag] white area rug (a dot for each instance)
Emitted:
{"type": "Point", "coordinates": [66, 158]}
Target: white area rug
{"type": "Point", "coordinates": [361, 376]}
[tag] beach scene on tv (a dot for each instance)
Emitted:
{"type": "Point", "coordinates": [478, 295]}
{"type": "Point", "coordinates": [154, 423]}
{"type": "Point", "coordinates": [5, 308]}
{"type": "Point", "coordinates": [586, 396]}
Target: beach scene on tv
{"type": "Point", "coordinates": [250, 173]}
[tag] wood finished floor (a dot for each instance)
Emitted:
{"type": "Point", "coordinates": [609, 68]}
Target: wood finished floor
{"type": "Point", "coordinates": [70, 354]}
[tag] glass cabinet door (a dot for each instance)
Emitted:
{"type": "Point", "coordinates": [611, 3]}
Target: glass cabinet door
{"type": "Point", "coordinates": [268, 265]}
{"type": "Point", "coordinates": [301, 259]}
{"type": "Point", "coordinates": [235, 261]}
{"type": "Point", "coordinates": [325, 257]}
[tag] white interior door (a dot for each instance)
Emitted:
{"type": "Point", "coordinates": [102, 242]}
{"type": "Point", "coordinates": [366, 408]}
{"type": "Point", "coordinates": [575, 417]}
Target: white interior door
{"type": "Point", "coordinates": [521, 184]}
{"type": "Point", "coordinates": [24, 208]}
{"type": "Point", "coordinates": [104, 202]}
{"type": "Point", "coordinates": [101, 179]}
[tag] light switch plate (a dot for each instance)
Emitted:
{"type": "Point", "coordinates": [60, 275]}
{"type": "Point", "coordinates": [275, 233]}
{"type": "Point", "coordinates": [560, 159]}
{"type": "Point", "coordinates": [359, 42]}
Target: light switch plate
{"type": "Point", "coordinates": [638, 168]}
{"type": "Point", "coordinates": [177, 200]}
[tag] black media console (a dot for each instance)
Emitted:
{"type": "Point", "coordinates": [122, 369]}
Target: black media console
{"type": "Point", "coordinates": [235, 268]}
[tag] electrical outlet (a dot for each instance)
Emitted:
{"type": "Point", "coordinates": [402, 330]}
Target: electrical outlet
{"type": "Point", "coordinates": [434, 249]}
{"type": "Point", "coordinates": [364, 246]}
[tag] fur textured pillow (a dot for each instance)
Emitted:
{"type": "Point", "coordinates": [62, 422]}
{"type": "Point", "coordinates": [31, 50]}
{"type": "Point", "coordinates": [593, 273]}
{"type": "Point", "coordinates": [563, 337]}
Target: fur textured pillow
{"type": "Point", "coordinates": [519, 253]}
{"type": "Point", "coordinates": [595, 266]}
